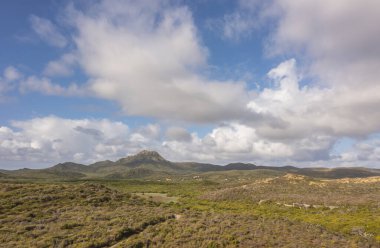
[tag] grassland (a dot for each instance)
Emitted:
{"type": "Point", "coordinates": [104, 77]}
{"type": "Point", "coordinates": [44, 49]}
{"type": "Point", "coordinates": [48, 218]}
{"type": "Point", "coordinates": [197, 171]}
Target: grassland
{"type": "Point", "coordinates": [221, 209]}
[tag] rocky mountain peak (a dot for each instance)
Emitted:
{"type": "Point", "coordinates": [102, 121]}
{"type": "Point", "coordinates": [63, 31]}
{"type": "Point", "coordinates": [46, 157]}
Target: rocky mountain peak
{"type": "Point", "coordinates": [145, 156]}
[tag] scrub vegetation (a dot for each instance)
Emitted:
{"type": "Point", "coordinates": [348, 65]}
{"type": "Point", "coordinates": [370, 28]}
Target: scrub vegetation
{"type": "Point", "coordinates": [188, 205]}
{"type": "Point", "coordinates": [223, 209]}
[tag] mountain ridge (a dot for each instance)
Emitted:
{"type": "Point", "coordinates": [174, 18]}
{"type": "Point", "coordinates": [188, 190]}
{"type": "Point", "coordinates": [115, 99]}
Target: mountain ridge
{"type": "Point", "coordinates": [150, 163]}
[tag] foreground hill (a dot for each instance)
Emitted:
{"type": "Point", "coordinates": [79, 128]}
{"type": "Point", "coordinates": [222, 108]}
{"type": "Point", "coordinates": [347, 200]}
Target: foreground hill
{"type": "Point", "coordinates": [150, 164]}
{"type": "Point", "coordinates": [63, 215]}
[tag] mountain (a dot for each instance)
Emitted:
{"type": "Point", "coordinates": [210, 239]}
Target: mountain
{"type": "Point", "coordinates": [150, 164]}
{"type": "Point", "coordinates": [69, 166]}
{"type": "Point", "coordinates": [143, 157]}
{"type": "Point", "coordinates": [150, 160]}
{"type": "Point", "coordinates": [49, 173]}
{"type": "Point", "coordinates": [143, 164]}
{"type": "Point", "coordinates": [240, 166]}
{"type": "Point", "coordinates": [3, 175]}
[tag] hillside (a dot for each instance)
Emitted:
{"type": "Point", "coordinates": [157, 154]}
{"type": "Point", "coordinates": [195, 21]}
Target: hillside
{"type": "Point", "coordinates": [292, 188]}
{"type": "Point", "coordinates": [264, 209]}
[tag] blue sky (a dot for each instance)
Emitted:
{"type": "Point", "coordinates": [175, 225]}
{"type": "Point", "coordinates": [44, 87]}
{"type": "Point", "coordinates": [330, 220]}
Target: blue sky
{"type": "Point", "coordinates": [275, 82]}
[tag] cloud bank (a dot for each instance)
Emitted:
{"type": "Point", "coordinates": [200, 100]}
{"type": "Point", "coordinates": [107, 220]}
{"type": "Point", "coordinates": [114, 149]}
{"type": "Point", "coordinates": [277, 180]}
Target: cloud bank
{"type": "Point", "coordinates": [51, 139]}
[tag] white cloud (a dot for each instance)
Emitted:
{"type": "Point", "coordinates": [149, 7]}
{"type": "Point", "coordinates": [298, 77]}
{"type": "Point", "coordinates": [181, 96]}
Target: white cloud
{"type": "Point", "coordinates": [365, 152]}
{"type": "Point", "coordinates": [47, 31]}
{"type": "Point", "coordinates": [237, 142]}
{"type": "Point", "coordinates": [237, 25]}
{"type": "Point", "coordinates": [148, 57]}
{"type": "Point", "coordinates": [243, 21]}
{"type": "Point", "coordinates": [7, 81]}
{"type": "Point", "coordinates": [178, 134]}
{"type": "Point", "coordinates": [340, 38]}
{"type": "Point", "coordinates": [339, 42]}
{"type": "Point", "coordinates": [146, 134]}
{"type": "Point", "coordinates": [61, 67]}
{"type": "Point", "coordinates": [336, 111]}
{"type": "Point", "coordinates": [11, 74]}
{"type": "Point", "coordinates": [45, 86]}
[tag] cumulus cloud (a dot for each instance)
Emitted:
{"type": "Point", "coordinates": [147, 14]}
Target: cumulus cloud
{"type": "Point", "coordinates": [47, 31]}
{"type": "Point", "coordinates": [149, 58]}
{"type": "Point", "coordinates": [335, 111]}
{"type": "Point", "coordinates": [340, 45]}
{"type": "Point", "coordinates": [238, 142]}
{"type": "Point", "coordinates": [297, 123]}
{"type": "Point", "coordinates": [340, 40]}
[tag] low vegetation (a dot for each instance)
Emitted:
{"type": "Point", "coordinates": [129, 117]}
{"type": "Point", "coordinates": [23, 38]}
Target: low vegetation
{"type": "Point", "coordinates": [205, 211]}
{"type": "Point", "coordinates": [259, 208]}
{"type": "Point", "coordinates": [78, 215]}
{"type": "Point", "coordinates": [208, 229]}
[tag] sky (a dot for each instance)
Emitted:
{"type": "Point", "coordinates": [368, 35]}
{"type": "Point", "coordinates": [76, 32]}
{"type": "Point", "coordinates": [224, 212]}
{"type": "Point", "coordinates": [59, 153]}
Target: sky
{"type": "Point", "coordinates": [277, 82]}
